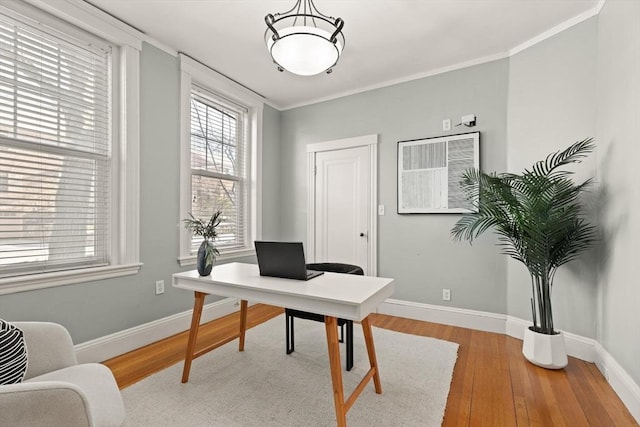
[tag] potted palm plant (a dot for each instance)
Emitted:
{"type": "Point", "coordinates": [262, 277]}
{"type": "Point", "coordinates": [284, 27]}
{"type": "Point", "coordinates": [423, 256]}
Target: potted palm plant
{"type": "Point", "coordinates": [207, 252]}
{"type": "Point", "coordinates": [539, 220]}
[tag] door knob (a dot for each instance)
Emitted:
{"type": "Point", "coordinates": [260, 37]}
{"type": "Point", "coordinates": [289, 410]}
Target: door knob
{"type": "Point", "coordinates": [362, 235]}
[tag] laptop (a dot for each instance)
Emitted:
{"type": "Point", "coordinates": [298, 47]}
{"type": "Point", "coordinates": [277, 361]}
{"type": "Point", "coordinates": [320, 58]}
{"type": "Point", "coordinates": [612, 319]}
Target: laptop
{"type": "Point", "coordinates": [283, 259]}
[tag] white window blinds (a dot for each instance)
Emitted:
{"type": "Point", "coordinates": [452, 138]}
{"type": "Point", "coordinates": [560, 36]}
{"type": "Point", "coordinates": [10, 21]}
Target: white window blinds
{"type": "Point", "coordinates": [218, 167]}
{"type": "Point", "coordinates": [54, 150]}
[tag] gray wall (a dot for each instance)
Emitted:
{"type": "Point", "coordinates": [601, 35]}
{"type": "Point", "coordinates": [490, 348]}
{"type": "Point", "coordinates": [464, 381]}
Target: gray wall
{"type": "Point", "coordinates": [95, 309]}
{"type": "Point", "coordinates": [271, 165]}
{"type": "Point", "coordinates": [416, 250]}
{"type": "Point", "coordinates": [552, 87]}
{"type": "Point", "coordinates": [618, 133]}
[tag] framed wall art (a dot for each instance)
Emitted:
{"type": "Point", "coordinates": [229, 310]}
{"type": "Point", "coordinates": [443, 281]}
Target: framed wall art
{"type": "Point", "coordinates": [429, 173]}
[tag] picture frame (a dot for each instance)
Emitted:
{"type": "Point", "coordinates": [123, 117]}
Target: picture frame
{"type": "Point", "coordinates": [429, 172]}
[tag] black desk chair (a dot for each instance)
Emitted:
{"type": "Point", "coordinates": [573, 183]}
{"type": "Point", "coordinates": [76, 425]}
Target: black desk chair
{"type": "Point", "coordinates": [291, 313]}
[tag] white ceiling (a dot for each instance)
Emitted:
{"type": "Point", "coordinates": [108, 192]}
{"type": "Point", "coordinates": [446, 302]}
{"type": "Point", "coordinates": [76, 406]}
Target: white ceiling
{"type": "Point", "coordinates": [386, 40]}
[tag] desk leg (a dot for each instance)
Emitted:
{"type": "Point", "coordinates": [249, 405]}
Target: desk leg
{"type": "Point", "coordinates": [193, 334]}
{"type": "Point", "coordinates": [371, 350]}
{"type": "Point", "coordinates": [243, 323]}
{"type": "Point", "coordinates": [331, 326]}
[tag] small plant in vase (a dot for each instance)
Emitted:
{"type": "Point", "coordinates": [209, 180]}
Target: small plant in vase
{"type": "Point", "coordinates": [207, 252]}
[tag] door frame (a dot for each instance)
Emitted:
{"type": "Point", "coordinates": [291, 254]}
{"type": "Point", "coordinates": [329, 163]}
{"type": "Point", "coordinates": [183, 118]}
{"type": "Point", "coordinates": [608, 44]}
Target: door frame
{"type": "Point", "coordinates": [370, 141]}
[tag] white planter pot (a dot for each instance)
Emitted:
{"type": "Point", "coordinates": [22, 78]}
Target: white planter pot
{"type": "Point", "coordinates": [547, 351]}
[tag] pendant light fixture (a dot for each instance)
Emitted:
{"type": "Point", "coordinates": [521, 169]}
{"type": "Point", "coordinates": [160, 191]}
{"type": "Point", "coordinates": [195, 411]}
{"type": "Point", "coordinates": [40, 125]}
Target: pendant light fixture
{"type": "Point", "coordinates": [303, 41]}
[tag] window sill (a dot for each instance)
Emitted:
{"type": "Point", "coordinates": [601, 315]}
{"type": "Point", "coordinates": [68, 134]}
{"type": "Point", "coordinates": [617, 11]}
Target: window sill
{"type": "Point", "coordinates": [32, 282]}
{"type": "Point", "coordinates": [184, 261]}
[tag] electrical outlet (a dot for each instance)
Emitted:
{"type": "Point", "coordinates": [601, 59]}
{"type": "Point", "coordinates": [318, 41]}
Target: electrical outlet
{"type": "Point", "coordinates": [159, 287]}
{"type": "Point", "coordinates": [446, 294]}
{"type": "Point", "coordinates": [446, 124]}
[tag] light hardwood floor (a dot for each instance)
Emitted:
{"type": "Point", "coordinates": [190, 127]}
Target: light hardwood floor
{"type": "Point", "coordinates": [493, 385]}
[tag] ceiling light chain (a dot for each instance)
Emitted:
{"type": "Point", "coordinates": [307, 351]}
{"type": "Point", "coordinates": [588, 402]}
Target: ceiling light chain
{"type": "Point", "coordinates": [304, 49]}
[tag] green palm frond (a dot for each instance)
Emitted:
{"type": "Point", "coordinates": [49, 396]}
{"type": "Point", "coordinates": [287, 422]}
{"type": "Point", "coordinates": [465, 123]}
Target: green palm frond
{"type": "Point", "coordinates": [206, 229]}
{"type": "Point", "coordinates": [574, 154]}
{"type": "Point", "coordinates": [537, 216]}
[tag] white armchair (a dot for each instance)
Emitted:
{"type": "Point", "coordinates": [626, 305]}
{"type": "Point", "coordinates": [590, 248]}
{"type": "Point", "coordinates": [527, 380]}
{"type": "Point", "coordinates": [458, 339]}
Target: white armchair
{"type": "Point", "coordinates": [57, 391]}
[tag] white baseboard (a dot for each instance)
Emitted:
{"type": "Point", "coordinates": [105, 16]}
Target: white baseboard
{"type": "Point", "coordinates": [619, 379]}
{"type": "Point", "coordinates": [461, 317]}
{"type": "Point", "coordinates": [577, 346]}
{"type": "Point", "coordinates": [118, 343]}
{"type": "Point", "coordinates": [580, 347]}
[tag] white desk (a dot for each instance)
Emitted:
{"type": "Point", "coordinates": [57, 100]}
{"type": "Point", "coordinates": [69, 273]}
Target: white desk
{"type": "Point", "coordinates": [332, 294]}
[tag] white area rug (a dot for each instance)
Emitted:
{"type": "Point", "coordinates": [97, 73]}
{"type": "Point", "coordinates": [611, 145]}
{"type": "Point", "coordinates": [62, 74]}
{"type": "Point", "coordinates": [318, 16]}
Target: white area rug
{"type": "Point", "coordinates": [263, 386]}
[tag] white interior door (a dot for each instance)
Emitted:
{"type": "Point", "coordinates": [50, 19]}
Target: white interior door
{"type": "Point", "coordinates": [343, 207]}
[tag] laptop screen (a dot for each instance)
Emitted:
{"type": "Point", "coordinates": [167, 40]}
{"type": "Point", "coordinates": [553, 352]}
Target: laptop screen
{"type": "Point", "coordinates": [282, 259]}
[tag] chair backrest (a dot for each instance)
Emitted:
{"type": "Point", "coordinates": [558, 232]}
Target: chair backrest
{"type": "Point", "coordinates": [49, 347]}
{"type": "Point", "coordinates": [334, 267]}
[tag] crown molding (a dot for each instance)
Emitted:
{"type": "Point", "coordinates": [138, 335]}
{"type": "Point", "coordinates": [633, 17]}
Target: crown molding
{"type": "Point", "coordinates": [558, 29]}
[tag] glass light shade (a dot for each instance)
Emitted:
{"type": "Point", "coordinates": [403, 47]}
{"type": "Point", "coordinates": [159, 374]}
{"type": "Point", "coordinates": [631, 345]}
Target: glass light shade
{"type": "Point", "coordinates": [304, 50]}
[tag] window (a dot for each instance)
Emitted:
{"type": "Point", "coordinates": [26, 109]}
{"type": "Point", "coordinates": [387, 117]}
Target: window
{"type": "Point", "coordinates": [219, 140]}
{"type": "Point", "coordinates": [59, 147]}
{"type": "Point", "coordinates": [54, 125]}
{"type": "Point", "coordinates": [218, 179]}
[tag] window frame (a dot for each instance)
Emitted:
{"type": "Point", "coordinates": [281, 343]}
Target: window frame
{"type": "Point", "coordinates": [196, 75]}
{"type": "Point", "coordinates": [67, 19]}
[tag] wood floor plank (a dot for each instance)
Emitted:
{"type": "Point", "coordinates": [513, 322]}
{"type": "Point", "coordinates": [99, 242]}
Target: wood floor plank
{"type": "Point", "coordinates": [458, 408]}
{"type": "Point", "coordinates": [601, 388]}
{"type": "Point", "coordinates": [590, 404]}
{"type": "Point", "coordinates": [560, 384]}
{"type": "Point", "coordinates": [492, 384]}
{"type": "Point", "coordinates": [492, 402]}
{"type": "Point", "coordinates": [519, 382]}
{"type": "Point", "coordinates": [538, 403]}
{"type": "Point", "coordinates": [560, 401]}
{"type": "Point", "coordinates": [503, 382]}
